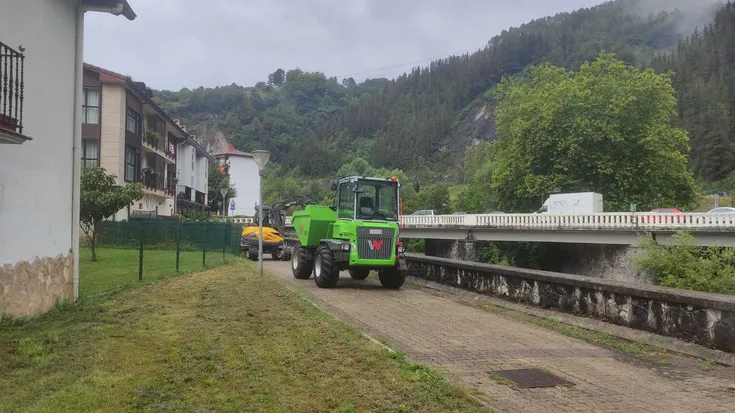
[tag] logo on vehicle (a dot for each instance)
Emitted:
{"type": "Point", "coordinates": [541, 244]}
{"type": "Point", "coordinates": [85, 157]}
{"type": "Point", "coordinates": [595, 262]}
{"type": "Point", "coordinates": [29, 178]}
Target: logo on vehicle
{"type": "Point", "coordinates": [301, 228]}
{"type": "Point", "coordinates": [376, 245]}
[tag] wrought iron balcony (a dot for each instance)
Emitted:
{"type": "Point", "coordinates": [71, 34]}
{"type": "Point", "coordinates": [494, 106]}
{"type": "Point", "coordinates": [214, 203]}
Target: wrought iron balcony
{"type": "Point", "coordinates": [11, 95]}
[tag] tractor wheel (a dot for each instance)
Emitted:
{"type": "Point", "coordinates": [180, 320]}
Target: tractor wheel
{"type": "Point", "coordinates": [253, 256]}
{"type": "Point", "coordinates": [326, 272]}
{"type": "Point", "coordinates": [392, 277]}
{"type": "Point", "coordinates": [300, 266]}
{"type": "Point", "coordinates": [359, 273]}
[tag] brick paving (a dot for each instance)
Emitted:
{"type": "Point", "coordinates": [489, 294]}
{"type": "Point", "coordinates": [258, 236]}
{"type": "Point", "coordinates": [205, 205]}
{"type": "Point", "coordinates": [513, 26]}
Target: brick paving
{"type": "Point", "coordinates": [467, 343]}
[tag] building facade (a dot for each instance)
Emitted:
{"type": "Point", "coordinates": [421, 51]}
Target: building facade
{"type": "Point", "coordinates": [244, 175]}
{"type": "Point", "coordinates": [126, 133]}
{"type": "Point", "coordinates": [40, 134]}
{"type": "Point", "coordinates": [193, 174]}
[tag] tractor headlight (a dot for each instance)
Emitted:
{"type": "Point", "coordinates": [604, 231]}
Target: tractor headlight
{"type": "Point", "coordinates": [353, 247]}
{"type": "Point", "coordinates": [345, 247]}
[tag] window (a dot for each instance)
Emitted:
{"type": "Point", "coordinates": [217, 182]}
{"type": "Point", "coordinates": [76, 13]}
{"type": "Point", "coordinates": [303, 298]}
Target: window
{"type": "Point", "coordinates": [133, 122]}
{"type": "Point", "coordinates": [131, 163]}
{"type": "Point", "coordinates": [378, 201]}
{"type": "Point", "coordinates": [346, 201]}
{"type": "Point", "coordinates": [91, 107]}
{"type": "Point", "coordinates": [90, 151]}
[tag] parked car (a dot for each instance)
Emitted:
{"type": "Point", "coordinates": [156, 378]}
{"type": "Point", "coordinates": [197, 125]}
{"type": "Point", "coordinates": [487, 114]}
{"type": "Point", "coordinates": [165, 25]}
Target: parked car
{"type": "Point", "coordinates": [722, 210]}
{"type": "Point", "coordinates": [425, 212]}
{"type": "Point", "coordinates": [663, 211]}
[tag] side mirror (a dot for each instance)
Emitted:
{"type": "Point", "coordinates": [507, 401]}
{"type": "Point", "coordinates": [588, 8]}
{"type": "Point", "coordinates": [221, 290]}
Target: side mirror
{"type": "Point", "coordinates": [359, 189]}
{"type": "Point", "coordinates": [416, 186]}
{"type": "Point", "coordinates": [333, 185]}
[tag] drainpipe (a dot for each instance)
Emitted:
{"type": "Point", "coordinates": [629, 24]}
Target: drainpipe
{"type": "Point", "coordinates": [77, 139]}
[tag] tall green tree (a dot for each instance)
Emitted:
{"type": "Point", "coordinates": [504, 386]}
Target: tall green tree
{"type": "Point", "coordinates": [605, 129]}
{"type": "Point", "coordinates": [217, 181]}
{"type": "Point", "coordinates": [101, 198]}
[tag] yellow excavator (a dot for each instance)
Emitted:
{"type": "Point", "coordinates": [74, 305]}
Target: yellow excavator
{"type": "Point", "coordinates": [274, 223]}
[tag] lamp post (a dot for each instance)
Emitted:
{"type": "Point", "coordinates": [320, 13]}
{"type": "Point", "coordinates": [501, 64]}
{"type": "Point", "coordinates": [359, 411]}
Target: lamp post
{"type": "Point", "coordinates": [224, 202]}
{"type": "Point", "coordinates": [261, 158]}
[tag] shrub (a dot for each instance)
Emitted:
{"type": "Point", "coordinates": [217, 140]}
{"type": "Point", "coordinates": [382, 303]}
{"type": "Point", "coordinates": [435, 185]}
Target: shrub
{"type": "Point", "coordinates": [684, 264]}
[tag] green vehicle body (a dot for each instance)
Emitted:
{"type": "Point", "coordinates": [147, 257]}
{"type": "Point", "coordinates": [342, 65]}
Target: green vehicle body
{"type": "Point", "coordinates": [360, 234]}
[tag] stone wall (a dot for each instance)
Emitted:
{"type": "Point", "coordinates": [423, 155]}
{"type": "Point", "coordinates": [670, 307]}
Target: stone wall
{"type": "Point", "coordinates": [702, 318]}
{"type": "Point", "coordinates": [33, 288]}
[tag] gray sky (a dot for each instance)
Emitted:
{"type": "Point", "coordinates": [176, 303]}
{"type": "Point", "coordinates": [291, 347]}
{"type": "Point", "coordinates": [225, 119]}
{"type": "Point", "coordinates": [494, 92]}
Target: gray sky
{"type": "Point", "coordinates": [190, 43]}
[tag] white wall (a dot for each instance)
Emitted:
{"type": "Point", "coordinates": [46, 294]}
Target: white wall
{"type": "Point", "coordinates": [183, 165]}
{"type": "Point", "coordinates": [36, 176]}
{"type": "Point", "coordinates": [244, 175]}
{"type": "Point", "coordinates": [201, 174]}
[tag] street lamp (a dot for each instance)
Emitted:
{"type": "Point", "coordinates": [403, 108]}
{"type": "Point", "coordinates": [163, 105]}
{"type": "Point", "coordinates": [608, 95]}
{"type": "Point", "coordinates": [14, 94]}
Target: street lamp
{"type": "Point", "coordinates": [224, 201]}
{"type": "Point", "coordinates": [261, 158]}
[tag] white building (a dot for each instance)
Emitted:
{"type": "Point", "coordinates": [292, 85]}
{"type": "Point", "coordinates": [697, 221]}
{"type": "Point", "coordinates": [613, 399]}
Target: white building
{"type": "Point", "coordinates": [40, 135]}
{"type": "Point", "coordinates": [243, 172]}
{"type": "Point", "coordinates": [192, 163]}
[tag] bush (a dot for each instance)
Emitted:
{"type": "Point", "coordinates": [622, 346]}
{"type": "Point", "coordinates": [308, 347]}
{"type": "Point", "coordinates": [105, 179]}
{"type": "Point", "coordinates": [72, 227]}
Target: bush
{"type": "Point", "coordinates": [684, 264]}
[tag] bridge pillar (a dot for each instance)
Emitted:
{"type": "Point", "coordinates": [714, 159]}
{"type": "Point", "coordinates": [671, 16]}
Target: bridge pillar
{"type": "Point", "coordinates": [453, 249]}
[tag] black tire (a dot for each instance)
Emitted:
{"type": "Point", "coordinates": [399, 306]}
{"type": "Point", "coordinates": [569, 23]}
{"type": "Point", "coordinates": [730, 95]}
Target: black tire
{"type": "Point", "coordinates": [253, 256]}
{"type": "Point", "coordinates": [279, 255]}
{"type": "Point", "coordinates": [286, 253]}
{"type": "Point", "coordinates": [300, 266]}
{"type": "Point", "coordinates": [326, 272]}
{"type": "Point", "coordinates": [359, 273]}
{"type": "Point", "coordinates": [392, 278]}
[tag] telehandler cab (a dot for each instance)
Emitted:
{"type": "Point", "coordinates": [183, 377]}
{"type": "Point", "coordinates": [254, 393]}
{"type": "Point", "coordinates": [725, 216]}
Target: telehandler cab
{"type": "Point", "coordinates": [359, 233]}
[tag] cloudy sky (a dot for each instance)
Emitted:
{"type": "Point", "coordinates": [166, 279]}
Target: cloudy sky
{"type": "Point", "coordinates": [189, 43]}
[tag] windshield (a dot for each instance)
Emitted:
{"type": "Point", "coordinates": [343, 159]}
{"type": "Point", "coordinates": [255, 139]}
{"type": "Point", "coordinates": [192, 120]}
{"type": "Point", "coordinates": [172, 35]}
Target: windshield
{"type": "Point", "coordinates": [378, 201]}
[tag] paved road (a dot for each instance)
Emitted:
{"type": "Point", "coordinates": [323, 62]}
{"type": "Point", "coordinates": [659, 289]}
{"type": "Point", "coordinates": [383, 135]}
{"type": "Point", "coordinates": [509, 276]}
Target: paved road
{"type": "Point", "coordinates": [467, 343]}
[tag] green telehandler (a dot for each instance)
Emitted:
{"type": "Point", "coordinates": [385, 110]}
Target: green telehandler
{"type": "Point", "coordinates": [359, 233]}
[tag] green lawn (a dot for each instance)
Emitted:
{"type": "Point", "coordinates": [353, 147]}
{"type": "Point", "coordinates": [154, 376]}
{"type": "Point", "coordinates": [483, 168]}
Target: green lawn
{"type": "Point", "coordinates": [117, 268]}
{"type": "Point", "coordinates": [222, 340]}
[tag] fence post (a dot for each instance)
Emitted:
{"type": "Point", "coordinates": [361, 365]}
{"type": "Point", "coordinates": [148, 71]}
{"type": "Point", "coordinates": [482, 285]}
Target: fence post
{"type": "Point", "coordinates": [224, 243]}
{"type": "Point", "coordinates": [204, 248]}
{"type": "Point", "coordinates": [178, 245]}
{"type": "Point", "coordinates": [140, 257]}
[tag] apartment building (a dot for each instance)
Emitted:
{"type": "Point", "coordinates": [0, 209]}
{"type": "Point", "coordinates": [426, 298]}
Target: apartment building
{"type": "Point", "coordinates": [193, 174]}
{"type": "Point", "coordinates": [126, 133]}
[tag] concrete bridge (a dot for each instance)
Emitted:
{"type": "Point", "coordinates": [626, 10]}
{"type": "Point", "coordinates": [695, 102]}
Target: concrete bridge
{"type": "Point", "coordinates": [611, 228]}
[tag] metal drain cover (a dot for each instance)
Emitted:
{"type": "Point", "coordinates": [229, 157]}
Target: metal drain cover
{"type": "Point", "coordinates": [531, 378]}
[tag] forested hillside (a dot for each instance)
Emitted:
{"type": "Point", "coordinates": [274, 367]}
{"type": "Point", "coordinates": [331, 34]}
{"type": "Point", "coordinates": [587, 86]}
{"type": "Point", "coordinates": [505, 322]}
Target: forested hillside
{"type": "Point", "coordinates": [422, 121]}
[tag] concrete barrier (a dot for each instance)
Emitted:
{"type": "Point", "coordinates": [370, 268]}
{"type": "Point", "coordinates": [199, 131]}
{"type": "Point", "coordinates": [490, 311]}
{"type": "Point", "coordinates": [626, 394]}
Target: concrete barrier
{"type": "Point", "coordinates": [702, 318]}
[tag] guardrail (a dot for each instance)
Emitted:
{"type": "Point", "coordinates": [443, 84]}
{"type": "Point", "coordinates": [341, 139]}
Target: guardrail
{"type": "Point", "coordinates": [607, 220]}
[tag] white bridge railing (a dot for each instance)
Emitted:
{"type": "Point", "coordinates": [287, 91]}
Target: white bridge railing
{"type": "Point", "coordinates": [607, 220]}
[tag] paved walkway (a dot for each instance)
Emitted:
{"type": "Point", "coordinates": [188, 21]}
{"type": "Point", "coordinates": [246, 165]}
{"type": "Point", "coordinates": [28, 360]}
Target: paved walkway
{"type": "Point", "coordinates": [467, 343]}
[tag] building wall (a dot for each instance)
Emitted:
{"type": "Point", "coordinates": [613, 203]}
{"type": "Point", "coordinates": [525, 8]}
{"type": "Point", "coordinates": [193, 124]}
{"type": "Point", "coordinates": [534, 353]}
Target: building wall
{"type": "Point", "coordinates": [244, 175]}
{"type": "Point", "coordinates": [36, 176]}
{"type": "Point", "coordinates": [112, 144]}
{"type": "Point", "coordinates": [201, 174]}
{"type": "Point", "coordinates": [183, 164]}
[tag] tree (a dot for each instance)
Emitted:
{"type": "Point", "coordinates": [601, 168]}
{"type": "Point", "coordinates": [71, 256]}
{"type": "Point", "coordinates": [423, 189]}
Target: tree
{"type": "Point", "coordinates": [217, 181]}
{"type": "Point", "coordinates": [605, 129]}
{"type": "Point", "coordinates": [101, 197]}
{"type": "Point", "coordinates": [277, 78]}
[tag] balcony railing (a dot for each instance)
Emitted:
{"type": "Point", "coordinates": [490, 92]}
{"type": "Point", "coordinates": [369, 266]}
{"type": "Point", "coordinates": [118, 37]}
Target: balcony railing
{"type": "Point", "coordinates": [11, 89]}
{"type": "Point", "coordinates": [156, 141]}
